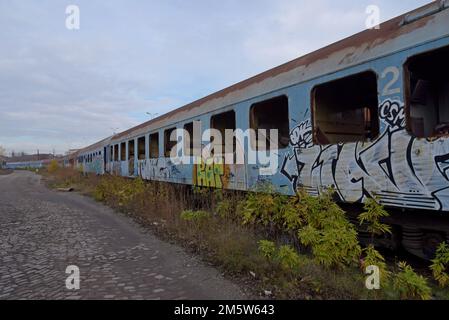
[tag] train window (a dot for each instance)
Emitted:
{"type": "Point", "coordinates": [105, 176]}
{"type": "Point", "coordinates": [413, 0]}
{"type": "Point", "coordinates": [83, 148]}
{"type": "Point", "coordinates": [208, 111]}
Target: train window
{"type": "Point", "coordinates": [154, 145]}
{"type": "Point", "coordinates": [190, 139]}
{"type": "Point", "coordinates": [221, 122]}
{"type": "Point", "coordinates": [427, 94]}
{"type": "Point", "coordinates": [168, 144]}
{"type": "Point", "coordinates": [123, 151]}
{"type": "Point", "coordinates": [116, 152]}
{"type": "Point", "coordinates": [131, 153]}
{"type": "Point", "coordinates": [271, 114]}
{"type": "Point", "coordinates": [345, 110]}
{"type": "Point", "coordinates": [141, 148]}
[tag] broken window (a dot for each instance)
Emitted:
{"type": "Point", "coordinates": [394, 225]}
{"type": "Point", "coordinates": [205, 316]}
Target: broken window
{"type": "Point", "coordinates": [427, 94]}
{"type": "Point", "coordinates": [131, 153]}
{"type": "Point", "coordinates": [116, 152]}
{"type": "Point", "coordinates": [221, 122]}
{"type": "Point", "coordinates": [154, 145]}
{"type": "Point", "coordinates": [168, 144]}
{"type": "Point", "coordinates": [345, 110]}
{"type": "Point", "coordinates": [190, 140]}
{"type": "Point", "coordinates": [123, 151]}
{"type": "Point", "coordinates": [141, 148]}
{"type": "Point", "coordinates": [271, 114]}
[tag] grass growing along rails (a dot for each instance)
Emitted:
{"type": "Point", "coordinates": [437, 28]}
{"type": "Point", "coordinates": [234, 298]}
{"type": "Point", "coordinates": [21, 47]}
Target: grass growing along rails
{"type": "Point", "coordinates": [298, 247]}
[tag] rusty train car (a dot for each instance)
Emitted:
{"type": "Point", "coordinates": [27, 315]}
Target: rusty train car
{"type": "Point", "coordinates": [367, 116]}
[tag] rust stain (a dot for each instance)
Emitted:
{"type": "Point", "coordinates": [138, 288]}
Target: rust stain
{"type": "Point", "coordinates": [370, 38]}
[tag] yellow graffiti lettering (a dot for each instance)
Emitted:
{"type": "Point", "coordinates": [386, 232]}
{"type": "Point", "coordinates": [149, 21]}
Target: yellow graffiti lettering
{"type": "Point", "coordinates": [210, 173]}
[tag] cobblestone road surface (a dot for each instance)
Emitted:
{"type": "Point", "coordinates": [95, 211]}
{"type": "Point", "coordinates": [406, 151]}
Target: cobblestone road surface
{"type": "Point", "coordinates": [43, 231]}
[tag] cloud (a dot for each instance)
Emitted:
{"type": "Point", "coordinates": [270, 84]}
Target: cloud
{"type": "Point", "coordinates": [62, 89]}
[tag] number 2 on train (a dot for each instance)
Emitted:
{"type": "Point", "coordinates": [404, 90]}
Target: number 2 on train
{"type": "Point", "coordinates": [389, 89]}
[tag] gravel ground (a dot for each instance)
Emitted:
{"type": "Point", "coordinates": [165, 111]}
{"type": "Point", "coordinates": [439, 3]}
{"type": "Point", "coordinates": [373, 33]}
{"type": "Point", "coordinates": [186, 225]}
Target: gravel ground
{"type": "Point", "coordinates": [43, 231]}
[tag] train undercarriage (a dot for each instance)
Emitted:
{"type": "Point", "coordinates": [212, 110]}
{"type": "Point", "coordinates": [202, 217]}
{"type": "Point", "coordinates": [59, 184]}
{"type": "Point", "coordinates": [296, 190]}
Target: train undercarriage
{"type": "Point", "coordinates": [418, 232]}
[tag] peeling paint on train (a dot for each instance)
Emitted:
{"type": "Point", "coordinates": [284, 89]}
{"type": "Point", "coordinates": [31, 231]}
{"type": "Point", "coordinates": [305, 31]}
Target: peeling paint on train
{"type": "Point", "coordinates": [396, 168]}
{"type": "Point", "coordinates": [160, 169]}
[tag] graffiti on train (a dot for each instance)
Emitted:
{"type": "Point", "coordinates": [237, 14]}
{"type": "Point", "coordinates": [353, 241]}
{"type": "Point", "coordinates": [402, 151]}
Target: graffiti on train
{"type": "Point", "coordinates": [95, 166]}
{"type": "Point", "coordinates": [396, 168]}
{"type": "Point", "coordinates": [211, 172]}
{"type": "Point", "coordinates": [157, 169]}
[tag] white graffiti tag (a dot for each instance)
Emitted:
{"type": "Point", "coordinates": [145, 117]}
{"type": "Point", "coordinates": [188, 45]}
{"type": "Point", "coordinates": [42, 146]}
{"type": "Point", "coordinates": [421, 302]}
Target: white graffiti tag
{"type": "Point", "coordinates": [397, 168]}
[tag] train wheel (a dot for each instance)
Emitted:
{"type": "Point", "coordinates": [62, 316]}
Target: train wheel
{"type": "Point", "coordinates": [412, 241]}
{"type": "Point", "coordinates": [421, 243]}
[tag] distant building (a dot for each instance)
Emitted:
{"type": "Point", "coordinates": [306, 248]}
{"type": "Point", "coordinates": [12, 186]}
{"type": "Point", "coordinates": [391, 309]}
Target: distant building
{"type": "Point", "coordinates": [31, 157]}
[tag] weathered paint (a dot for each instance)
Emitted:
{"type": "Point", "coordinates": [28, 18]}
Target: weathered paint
{"type": "Point", "coordinates": [211, 172]}
{"type": "Point", "coordinates": [400, 169]}
{"type": "Point", "coordinates": [160, 169]}
{"type": "Point", "coordinates": [369, 45]}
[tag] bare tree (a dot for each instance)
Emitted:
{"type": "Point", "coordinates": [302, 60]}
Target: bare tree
{"type": "Point", "coordinates": [2, 151]}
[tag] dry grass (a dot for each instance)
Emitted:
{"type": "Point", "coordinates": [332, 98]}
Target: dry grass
{"type": "Point", "coordinates": [218, 236]}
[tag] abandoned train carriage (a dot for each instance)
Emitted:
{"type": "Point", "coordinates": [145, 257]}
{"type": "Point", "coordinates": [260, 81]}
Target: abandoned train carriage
{"type": "Point", "coordinates": [368, 116]}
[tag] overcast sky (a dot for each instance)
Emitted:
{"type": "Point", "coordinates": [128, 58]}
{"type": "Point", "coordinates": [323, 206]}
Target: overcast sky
{"type": "Point", "coordinates": [62, 89]}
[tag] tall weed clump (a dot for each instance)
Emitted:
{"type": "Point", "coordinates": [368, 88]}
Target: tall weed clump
{"type": "Point", "coordinates": [410, 285]}
{"type": "Point", "coordinates": [53, 166]}
{"type": "Point", "coordinates": [327, 231]}
{"type": "Point", "coordinates": [371, 218]}
{"type": "Point", "coordinates": [440, 265]}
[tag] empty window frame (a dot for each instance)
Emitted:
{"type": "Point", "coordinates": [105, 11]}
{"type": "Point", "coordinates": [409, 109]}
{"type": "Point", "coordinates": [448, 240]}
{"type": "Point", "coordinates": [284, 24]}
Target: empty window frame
{"type": "Point", "coordinates": [427, 93]}
{"type": "Point", "coordinates": [345, 110]}
{"type": "Point", "coordinates": [154, 145]}
{"type": "Point", "coordinates": [168, 144]}
{"type": "Point", "coordinates": [221, 122]}
{"type": "Point", "coordinates": [131, 153]}
{"type": "Point", "coordinates": [271, 114]}
{"type": "Point", "coordinates": [123, 151]}
{"type": "Point", "coordinates": [116, 152]}
{"type": "Point", "coordinates": [141, 148]}
{"type": "Point", "coordinates": [188, 138]}
{"type": "Point", "coordinates": [191, 140]}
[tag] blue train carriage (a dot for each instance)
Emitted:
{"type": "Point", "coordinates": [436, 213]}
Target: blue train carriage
{"type": "Point", "coordinates": [367, 116]}
{"type": "Point", "coordinates": [94, 158]}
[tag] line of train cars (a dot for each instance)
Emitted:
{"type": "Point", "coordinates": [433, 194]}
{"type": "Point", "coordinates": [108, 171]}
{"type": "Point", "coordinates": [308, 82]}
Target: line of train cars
{"type": "Point", "coordinates": [367, 116]}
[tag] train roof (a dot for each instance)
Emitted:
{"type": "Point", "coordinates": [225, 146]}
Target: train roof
{"type": "Point", "coordinates": [93, 147]}
{"type": "Point", "coordinates": [397, 34]}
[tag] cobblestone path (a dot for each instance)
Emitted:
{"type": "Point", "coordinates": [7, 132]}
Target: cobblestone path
{"type": "Point", "coordinates": [43, 231]}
